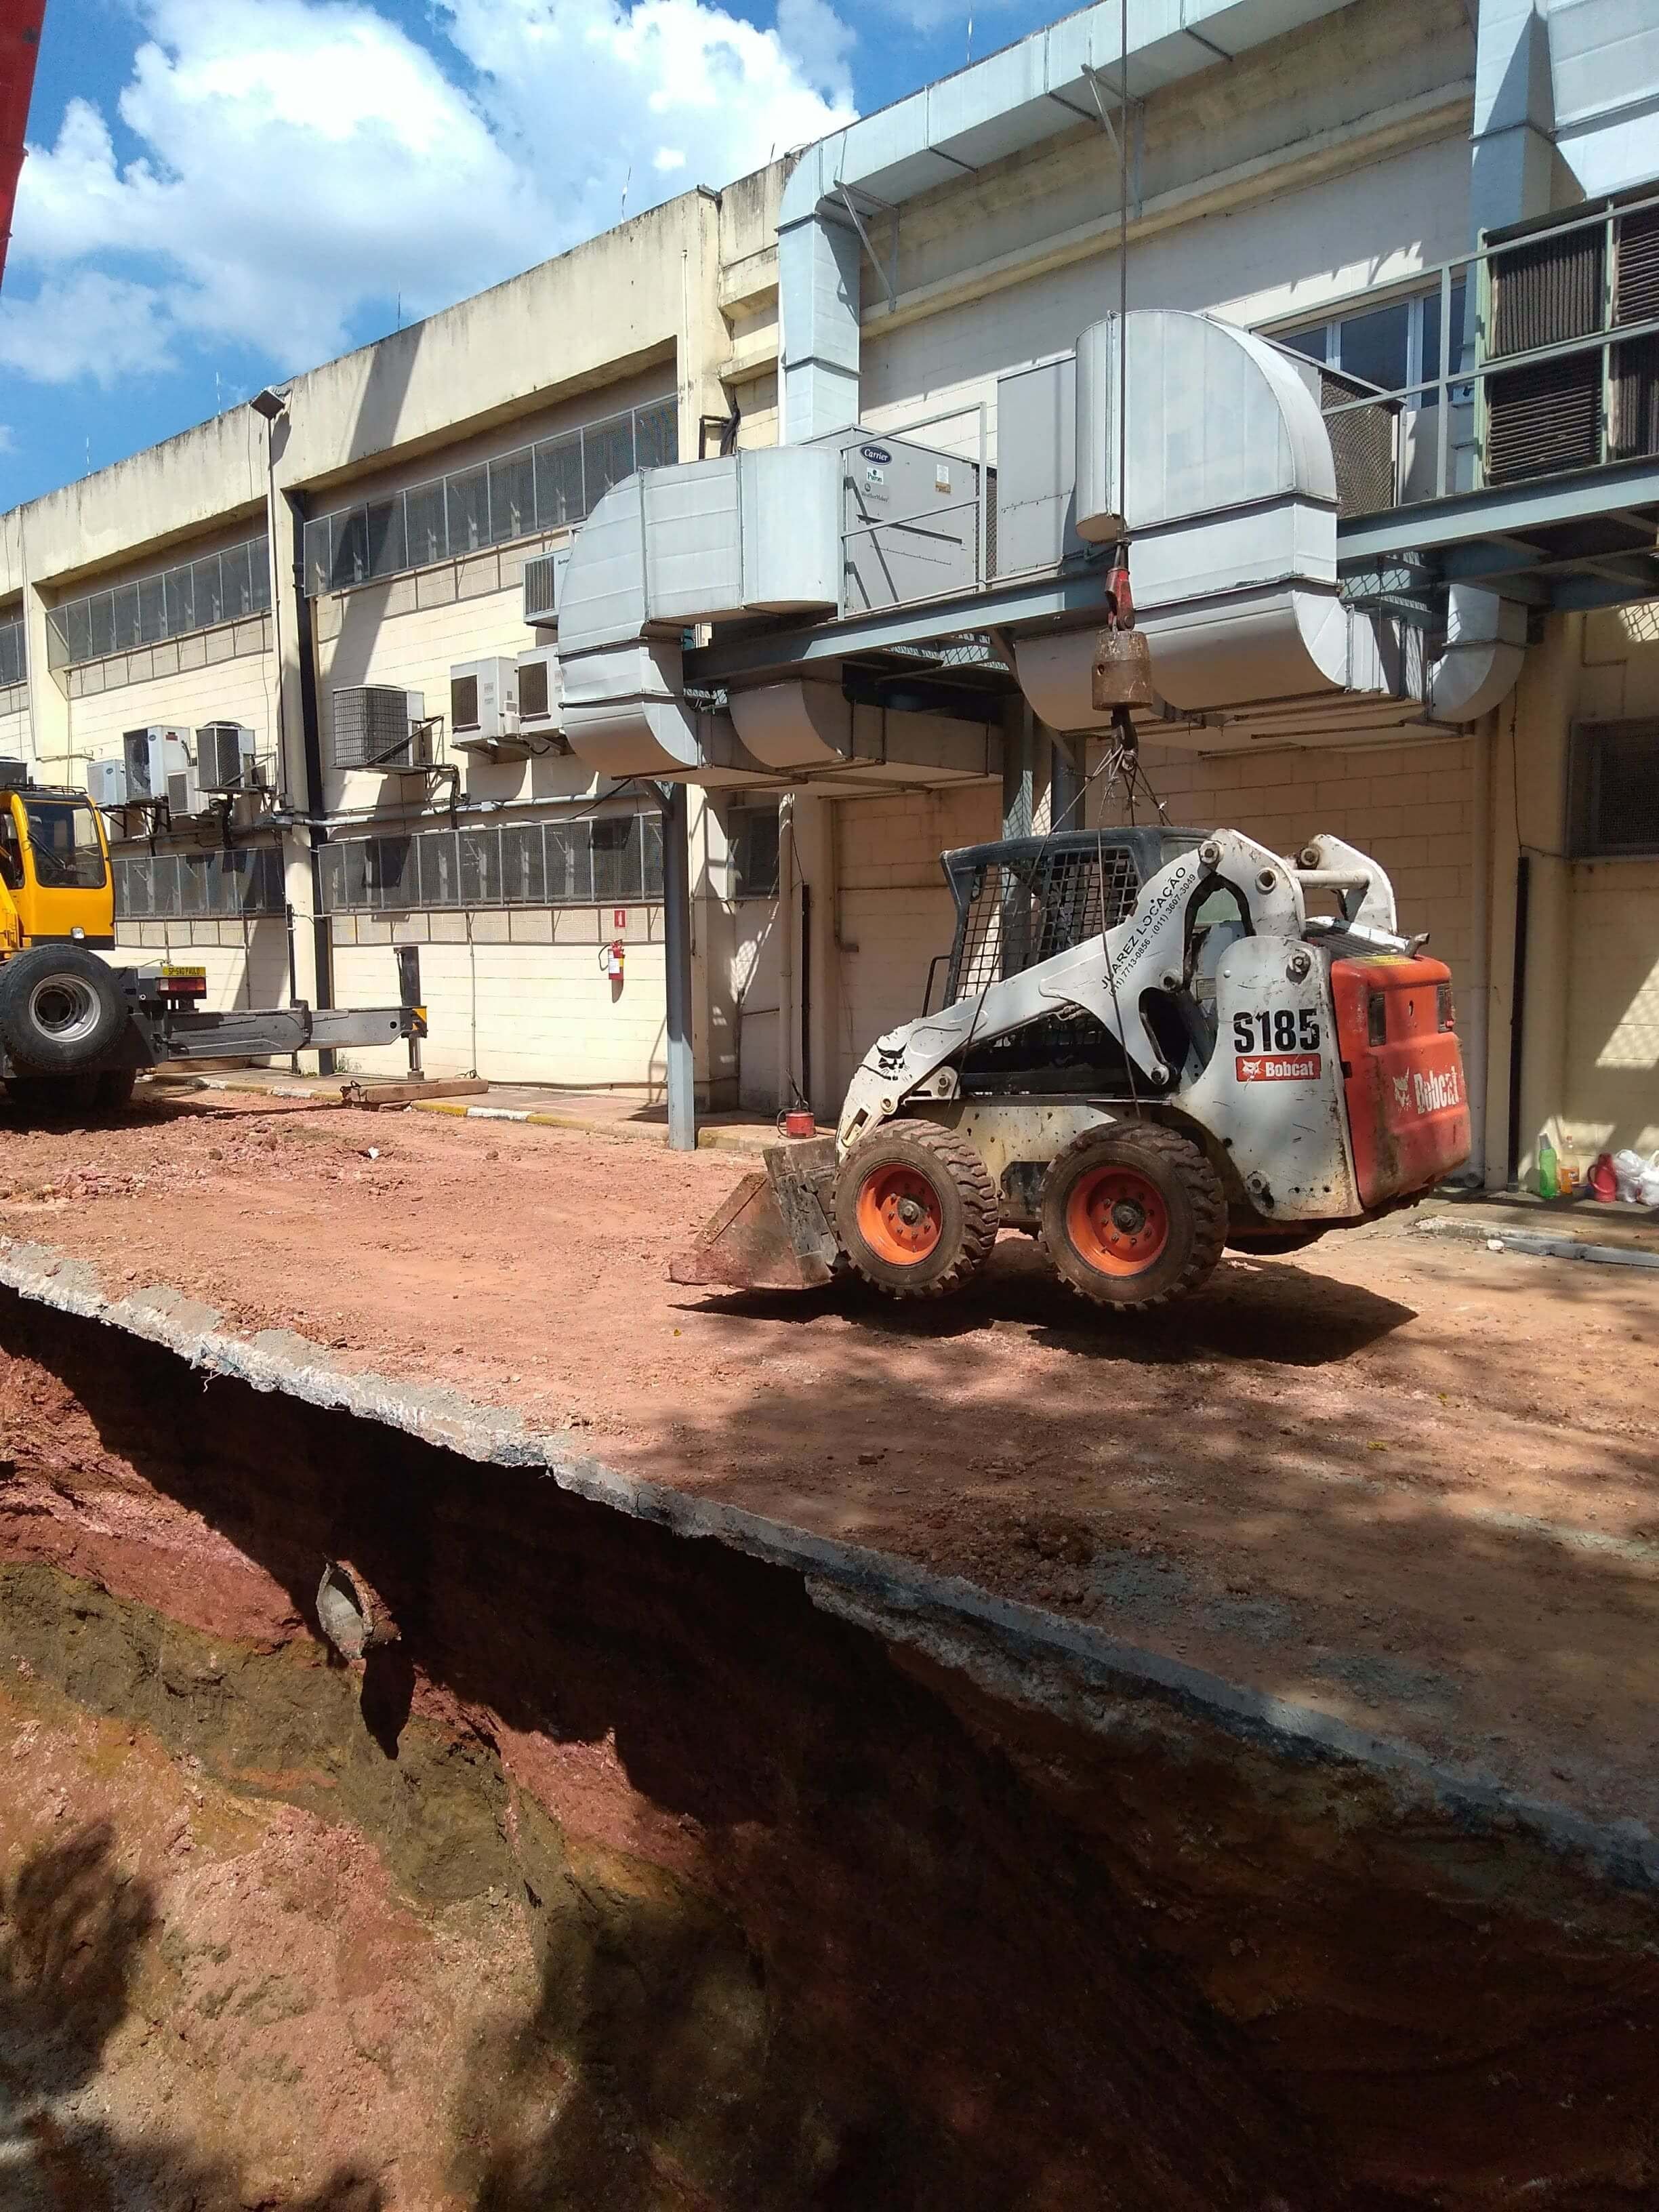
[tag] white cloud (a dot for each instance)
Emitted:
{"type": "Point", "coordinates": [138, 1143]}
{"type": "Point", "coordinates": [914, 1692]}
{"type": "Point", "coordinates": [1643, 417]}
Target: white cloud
{"type": "Point", "coordinates": [8, 439]}
{"type": "Point", "coordinates": [87, 323]}
{"type": "Point", "coordinates": [302, 159]}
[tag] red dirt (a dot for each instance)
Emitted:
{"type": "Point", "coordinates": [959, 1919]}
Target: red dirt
{"type": "Point", "coordinates": [1410, 1483]}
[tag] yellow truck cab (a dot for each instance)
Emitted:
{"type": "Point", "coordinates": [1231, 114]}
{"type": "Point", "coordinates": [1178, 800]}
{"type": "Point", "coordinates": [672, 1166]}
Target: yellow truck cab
{"type": "Point", "coordinates": [75, 1028]}
{"type": "Point", "coordinates": [55, 885]}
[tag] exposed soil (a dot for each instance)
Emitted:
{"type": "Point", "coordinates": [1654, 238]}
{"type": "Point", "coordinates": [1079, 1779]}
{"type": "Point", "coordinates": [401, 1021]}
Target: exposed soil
{"type": "Point", "coordinates": [631, 1881]}
{"type": "Point", "coordinates": [1410, 1483]}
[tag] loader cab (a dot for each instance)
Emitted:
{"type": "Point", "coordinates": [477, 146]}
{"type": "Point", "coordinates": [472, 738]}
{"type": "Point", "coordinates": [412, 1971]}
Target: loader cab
{"type": "Point", "coordinates": [1022, 901]}
{"type": "Point", "coordinates": [55, 883]}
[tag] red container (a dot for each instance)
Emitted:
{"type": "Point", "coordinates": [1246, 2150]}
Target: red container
{"type": "Point", "coordinates": [798, 1124]}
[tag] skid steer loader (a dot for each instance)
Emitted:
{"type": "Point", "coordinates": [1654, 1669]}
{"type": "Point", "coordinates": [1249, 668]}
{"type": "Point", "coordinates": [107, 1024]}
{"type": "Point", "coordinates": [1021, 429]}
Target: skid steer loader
{"type": "Point", "coordinates": [1148, 1050]}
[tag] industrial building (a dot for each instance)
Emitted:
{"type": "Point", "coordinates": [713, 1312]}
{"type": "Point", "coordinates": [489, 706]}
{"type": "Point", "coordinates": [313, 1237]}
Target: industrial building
{"type": "Point", "coordinates": [1381, 427]}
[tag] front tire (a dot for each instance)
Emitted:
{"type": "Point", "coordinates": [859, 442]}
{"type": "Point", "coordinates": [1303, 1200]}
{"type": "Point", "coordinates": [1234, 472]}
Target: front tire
{"type": "Point", "coordinates": [1134, 1215]}
{"type": "Point", "coordinates": [915, 1211]}
{"type": "Point", "coordinates": [60, 1010]}
{"type": "Point", "coordinates": [54, 1097]}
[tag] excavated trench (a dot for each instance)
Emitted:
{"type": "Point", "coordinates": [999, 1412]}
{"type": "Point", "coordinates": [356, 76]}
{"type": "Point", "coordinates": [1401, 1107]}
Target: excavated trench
{"type": "Point", "coordinates": [647, 1870]}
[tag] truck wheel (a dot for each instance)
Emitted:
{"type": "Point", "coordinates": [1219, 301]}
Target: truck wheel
{"type": "Point", "coordinates": [915, 1211]}
{"type": "Point", "coordinates": [54, 1097]}
{"type": "Point", "coordinates": [1134, 1215]}
{"type": "Point", "coordinates": [115, 1087]}
{"type": "Point", "coordinates": [61, 1009]}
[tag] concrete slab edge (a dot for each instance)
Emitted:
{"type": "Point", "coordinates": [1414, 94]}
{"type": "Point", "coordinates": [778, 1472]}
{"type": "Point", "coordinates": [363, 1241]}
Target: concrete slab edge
{"type": "Point", "coordinates": [1018, 1653]}
{"type": "Point", "coordinates": [1535, 1245]}
{"type": "Point", "coordinates": [709, 1140]}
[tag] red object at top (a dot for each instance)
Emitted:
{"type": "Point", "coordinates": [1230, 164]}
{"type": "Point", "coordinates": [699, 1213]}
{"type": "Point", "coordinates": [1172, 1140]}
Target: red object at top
{"type": "Point", "coordinates": [1120, 593]}
{"type": "Point", "coordinates": [20, 42]}
{"type": "Point", "coordinates": [1603, 1183]}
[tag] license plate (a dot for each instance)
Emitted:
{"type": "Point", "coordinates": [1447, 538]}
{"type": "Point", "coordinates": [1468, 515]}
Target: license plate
{"type": "Point", "coordinates": [183, 983]}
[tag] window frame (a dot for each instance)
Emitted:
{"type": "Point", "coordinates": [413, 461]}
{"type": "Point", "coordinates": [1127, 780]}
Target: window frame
{"type": "Point", "coordinates": [1584, 741]}
{"type": "Point", "coordinates": [1357, 304]}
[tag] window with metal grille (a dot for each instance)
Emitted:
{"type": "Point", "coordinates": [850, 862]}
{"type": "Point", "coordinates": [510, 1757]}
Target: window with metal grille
{"type": "Point", "coordinates": [1391, 346]}
{"type": "Point", "coordinates": [13, 666]}
{"type": "Point", "coordinates": [198, 885]}
{"type": "Point", "coordinates": [754, 846]}
{"type": "Point", "coordinates": [1614, 808]}
{"type": "Point", "coordinates": [196, 595]}
{"type": "Point", "coordinates": [615, 859]}
{"type": "Point", "coordinates": [550, 486]}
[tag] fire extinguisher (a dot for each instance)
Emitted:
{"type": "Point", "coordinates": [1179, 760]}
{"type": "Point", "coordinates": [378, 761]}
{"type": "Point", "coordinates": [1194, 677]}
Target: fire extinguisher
{"type": "Point", "coordinates": [611, 956]}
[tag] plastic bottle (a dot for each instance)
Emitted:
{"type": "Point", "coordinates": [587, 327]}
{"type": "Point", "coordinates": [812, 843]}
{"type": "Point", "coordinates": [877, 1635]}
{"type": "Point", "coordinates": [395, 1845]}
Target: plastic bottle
{"type": "Point", "coordinates": [1547, 1182]}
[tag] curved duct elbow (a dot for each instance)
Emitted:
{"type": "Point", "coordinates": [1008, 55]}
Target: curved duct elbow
{"type": "Point", "coordinates": [1222, 421]}
{"type": "Point", "coordinates": [1485, 644]}
{"type": "Point", "coordinates": [795, 725]}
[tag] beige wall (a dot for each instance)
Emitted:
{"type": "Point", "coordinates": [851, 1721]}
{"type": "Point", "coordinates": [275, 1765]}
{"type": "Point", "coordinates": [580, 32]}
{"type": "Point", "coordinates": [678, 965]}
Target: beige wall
{"type": "Point", "coordinates": [1410, 806]}
{"type": "Point", "coordinates": [1610, 1076]}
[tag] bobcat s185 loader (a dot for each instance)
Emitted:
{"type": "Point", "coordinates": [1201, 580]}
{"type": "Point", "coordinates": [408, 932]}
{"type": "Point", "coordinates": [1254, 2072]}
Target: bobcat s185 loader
{"type": "Point", "coordinates": [1150, 1050]}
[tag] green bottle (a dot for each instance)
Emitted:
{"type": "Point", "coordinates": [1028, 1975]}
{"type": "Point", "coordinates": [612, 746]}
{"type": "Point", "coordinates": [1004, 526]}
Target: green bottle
{"type": "Point", "coordinates": [1547, 1186]}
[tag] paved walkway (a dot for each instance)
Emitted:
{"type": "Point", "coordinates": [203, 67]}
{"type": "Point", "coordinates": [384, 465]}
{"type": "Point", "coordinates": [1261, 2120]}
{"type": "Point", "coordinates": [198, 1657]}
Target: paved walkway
{"type": "Point", "coordinates": [615, 1113]}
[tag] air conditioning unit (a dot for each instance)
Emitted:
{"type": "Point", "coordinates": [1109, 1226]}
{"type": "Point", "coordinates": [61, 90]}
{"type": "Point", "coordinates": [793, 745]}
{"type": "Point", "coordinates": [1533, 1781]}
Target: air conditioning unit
{"type": "Point", "coordinates": [543, 582]}
{"type": "Point", "coordinates": [106, 783]}
{"type": "Point", "coordinates": [224, 757]}
{"type": "Point", "coordinates": [151, 756]}
{"type": "Point", "coordinates": [373, 726]}
{"type": "Point", "coordinates": [540, 691]}
{"type": "Point", "coordinates": [483, 704]}
{"type": "Point", "coordinates": [183, 793]}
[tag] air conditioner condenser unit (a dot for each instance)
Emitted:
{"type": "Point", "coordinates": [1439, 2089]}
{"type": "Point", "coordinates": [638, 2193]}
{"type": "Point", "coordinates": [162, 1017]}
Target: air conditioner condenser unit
{"type": "Point", "coordinates": [225, 758]}
{"type": "Point", "coordinates": [152, 756]}
{"type": "Point", "coordinates": [374, 726]}
{"type": "Point", "coordinates": [106, 783]}
{"type": "Point", "coordinates": [483, 704]}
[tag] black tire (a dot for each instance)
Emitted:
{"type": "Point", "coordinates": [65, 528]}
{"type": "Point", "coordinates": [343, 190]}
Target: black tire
{"type": "Point", "coordinates": [54, 1097]}
{"type": "Point", "coordinates": [1263, 1244]}
{"type": "Point", "coordinates": [918, 1164]}
{"type": "Point", "coordinates": [1134, 1215]}
{"type": "Point", "coordinates": [61, 1009]}
{"type": "Point", "coordinates": [115, 1087]}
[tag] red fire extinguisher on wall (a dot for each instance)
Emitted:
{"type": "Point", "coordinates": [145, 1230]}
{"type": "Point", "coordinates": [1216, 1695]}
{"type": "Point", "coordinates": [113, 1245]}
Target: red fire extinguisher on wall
{"type": "Point", "coordinates": [611, 957]}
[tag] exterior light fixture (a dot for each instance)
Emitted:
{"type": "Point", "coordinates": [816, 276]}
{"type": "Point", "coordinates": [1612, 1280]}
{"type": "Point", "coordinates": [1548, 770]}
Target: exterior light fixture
{"type": "Point", "coordinates": [269, 404]}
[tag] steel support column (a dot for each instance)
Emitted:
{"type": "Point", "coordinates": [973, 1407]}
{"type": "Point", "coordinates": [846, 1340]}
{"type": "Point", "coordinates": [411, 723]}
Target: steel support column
{"type": "Point", "coordinates": [677, 962]}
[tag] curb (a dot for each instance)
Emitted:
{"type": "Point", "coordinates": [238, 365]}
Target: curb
{"type": "Point", "coordinates": [1535, 1246]}
{"type": "Point", "coordinates": [709, 1140]}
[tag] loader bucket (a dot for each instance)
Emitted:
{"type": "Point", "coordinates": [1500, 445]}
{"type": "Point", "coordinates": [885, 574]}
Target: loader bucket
{"type": "Point", "coordinates": [773, 1233]}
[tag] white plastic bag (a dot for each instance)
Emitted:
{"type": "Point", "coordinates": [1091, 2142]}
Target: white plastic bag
{"type": "Point", "coordinates": [1628, 1168]}
{"type": "Point", "coordinates": [1647, 1184]}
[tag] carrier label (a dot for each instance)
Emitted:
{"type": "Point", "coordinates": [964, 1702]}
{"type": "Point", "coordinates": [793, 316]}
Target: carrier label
{"type": "Point", "coordinates": [1280, 1068]}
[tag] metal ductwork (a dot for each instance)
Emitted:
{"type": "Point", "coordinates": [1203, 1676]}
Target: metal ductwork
{"type": "Point", "coordinates": [749, 533]}
{"type": "Point", "coordinates": [1019, 98]}
{"type": "Point", "coordinates": [804, 730]}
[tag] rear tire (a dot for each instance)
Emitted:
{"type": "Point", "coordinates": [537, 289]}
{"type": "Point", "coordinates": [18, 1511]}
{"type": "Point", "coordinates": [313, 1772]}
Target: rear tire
{"type": "Point", "coordinates": [60, 1010]}
{"type": "Point", "coordinates": [915, 1211]}
{"type": "Point", "coordinates": [1134, 1215]}
{"type": "Point", "coordinates": [115, 1087]}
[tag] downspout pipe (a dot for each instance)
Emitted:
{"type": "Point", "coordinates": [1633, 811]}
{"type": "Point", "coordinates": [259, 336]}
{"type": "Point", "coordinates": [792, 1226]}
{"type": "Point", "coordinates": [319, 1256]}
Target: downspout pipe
{"type": "Point", "coordinates": [311, 747]}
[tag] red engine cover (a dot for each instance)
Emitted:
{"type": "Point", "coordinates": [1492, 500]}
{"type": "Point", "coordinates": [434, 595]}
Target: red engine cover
{"type": "Point", "coordinates": [1408, 1103]}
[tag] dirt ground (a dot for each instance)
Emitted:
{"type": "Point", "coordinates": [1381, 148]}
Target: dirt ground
{"type": "Point", "coordinates": [1406, 1481]}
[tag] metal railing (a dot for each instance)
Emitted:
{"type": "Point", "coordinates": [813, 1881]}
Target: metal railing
{"type": "Point", "coordinates": [1471, 377]}
{"type": "Point", "coordinates": [220, 587]}
{"type": "Point", "coordinates": [215, 884]}
{"type": "Point", "coordinates": [550, 485]}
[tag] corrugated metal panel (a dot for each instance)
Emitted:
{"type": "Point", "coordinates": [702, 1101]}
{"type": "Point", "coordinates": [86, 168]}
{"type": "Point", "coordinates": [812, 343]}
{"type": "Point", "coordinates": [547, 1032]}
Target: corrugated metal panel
{"type": "Point", "coordinates": [1544, 419]}
{"type": "Point", "coordinates": [1637, 265]}
{"type": "Point", "coordinates": [1633, 431]}
{"type": "Point", "coordinates": [1547, 290]}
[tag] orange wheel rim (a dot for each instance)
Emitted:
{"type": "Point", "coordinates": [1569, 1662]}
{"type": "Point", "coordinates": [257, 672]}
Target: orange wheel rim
{"type": "Point", "coordinates": [1117, 1221]}
{"type": "Point", "coordinates": [899, 1215]}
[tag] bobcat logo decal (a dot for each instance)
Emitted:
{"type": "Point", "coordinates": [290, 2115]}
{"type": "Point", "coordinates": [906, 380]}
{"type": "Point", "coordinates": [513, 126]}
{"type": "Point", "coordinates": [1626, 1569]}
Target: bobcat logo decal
{"type": "Point", "coordinates": [1402, 1091]}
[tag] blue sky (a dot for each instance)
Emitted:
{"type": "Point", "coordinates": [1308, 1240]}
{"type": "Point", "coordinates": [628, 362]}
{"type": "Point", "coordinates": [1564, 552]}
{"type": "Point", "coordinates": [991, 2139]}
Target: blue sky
{"type": "Point", "coordinates": [219, 192]}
